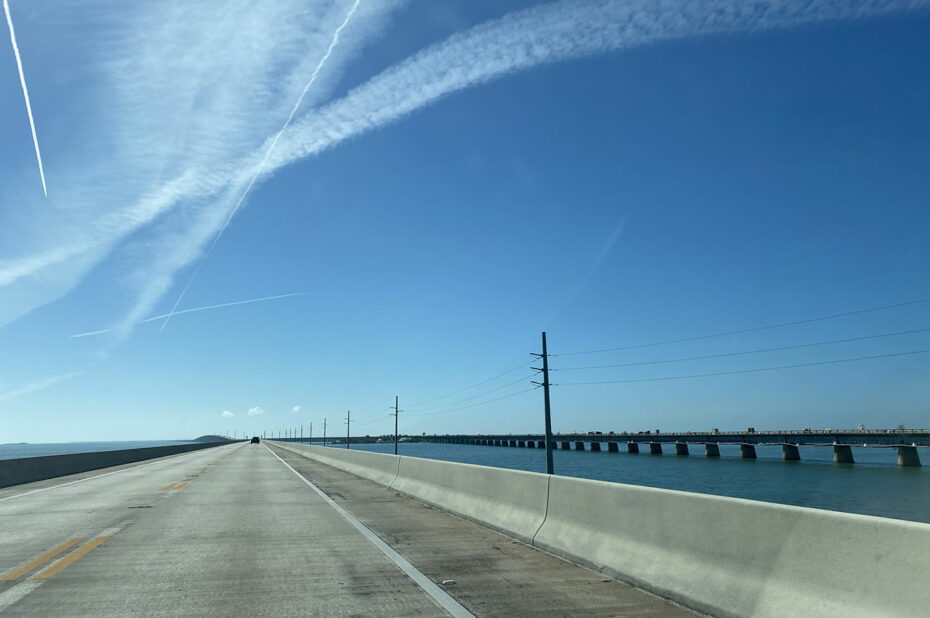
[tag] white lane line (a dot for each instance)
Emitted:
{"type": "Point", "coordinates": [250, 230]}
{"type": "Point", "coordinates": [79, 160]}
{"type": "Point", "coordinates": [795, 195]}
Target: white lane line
{"type": "Point", "coordinates": [90, 478]}
{"type": "Point", "coordinates": [17, 592]}
{"type": "Point", "coordinates": [429, 587]}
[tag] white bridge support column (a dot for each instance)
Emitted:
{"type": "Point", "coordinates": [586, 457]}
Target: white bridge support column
{"type": "Point", "coordinates": [907, 456]}
{"type": "Point", "coordinates": [712, 449]}
{"type": "Point", "coordinates": [789, 452]}
{"type": "Point", "coordinates": [632, 447]}
{"type": "Point", "coordinates": [747, 451]}
{"type": "Point", "coordinates": [655, 448]}
{"type": "Point", "coordinates": [681, 448]}
{"type": "Point", "coordinates": [842, 453]}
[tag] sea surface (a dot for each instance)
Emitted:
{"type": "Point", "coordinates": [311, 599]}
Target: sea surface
{"type": "Point", "coordinates": [874, 485]}
{"type": "Point", "coordinates": [13, 451]}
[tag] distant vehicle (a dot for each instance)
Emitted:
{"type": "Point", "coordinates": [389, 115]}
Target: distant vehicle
{"type": "Point", "coordinates": [254, 440]}
{"type": "Point", "coordinates": [715, 430]}
{"type": "Point", "coordinates": [751, 430]}
{"type": "Point", "coordinates": [807, 430]}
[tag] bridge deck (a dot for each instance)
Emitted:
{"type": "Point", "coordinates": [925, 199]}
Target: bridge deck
{"type": "Point", "coordinates": [233, 531]}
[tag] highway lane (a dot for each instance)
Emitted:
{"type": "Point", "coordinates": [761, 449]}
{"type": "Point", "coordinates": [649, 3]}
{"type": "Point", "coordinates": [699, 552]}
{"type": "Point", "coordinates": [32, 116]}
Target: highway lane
{"type": "Point", "coordinates": [225, 531]}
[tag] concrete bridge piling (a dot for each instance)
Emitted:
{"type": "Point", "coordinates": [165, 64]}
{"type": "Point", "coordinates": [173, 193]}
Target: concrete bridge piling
{"type": "Point", "coordinates": [789, 452]}
{"type": "Point", "coordinates": [579, 445]}
{"type": "Point", "coordinates": [632, 447]}
{"type": "Point", "coordinates": [907, 456]}
{"type": "Point", "coordinates": [712, 449]}
{"type": "Point", "coordinates": [596, 446]}
{"type": "Point", "coordinates": [566, 445]}
{"type": "Point", "coordinates": [681, 448]}
{"type": "Point", "coordinates": [842, 453]}
{"type": "Point", "coordinates": [613, 447]}
{"type": "Point", "coordinates": [655, 448]}
{"type": "Point", "coordinates": [747, 451]}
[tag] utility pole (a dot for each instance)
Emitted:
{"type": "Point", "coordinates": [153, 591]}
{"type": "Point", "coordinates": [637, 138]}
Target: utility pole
{"type": "Point", "coordinates": [348, 420]}
{"type": "Point", "coordinates": [311, 433]}
{"type": "Point", "coordinates": [301, 433]}
{"type": "Point", "coordinates": [545, 384]}
{"type": "Point", "coordinates": [395, 424]}
{"type": "Point", "coordinates": [324, 431]}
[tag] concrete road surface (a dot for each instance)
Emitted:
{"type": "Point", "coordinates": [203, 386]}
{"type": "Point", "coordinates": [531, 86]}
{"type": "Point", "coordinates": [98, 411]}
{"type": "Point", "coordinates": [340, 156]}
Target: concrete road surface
{"type": "Point", "coordinates": [233, 531]}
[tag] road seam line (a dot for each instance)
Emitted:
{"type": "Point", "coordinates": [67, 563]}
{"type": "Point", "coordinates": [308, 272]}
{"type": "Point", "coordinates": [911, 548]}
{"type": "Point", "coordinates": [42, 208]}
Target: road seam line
{"type": "Point", "coordinates": [436, 593]}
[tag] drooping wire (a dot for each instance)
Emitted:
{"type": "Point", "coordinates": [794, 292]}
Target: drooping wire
{"type": "Point", "coordinates": [461, 390]}
{"type": "Point", "coordinates": [470, 397]}
{"type": "Point", "coordinates": [746, 330]}
{"type": "Point", "coordinates": [756, 370]}
{"type": "Point", "coordinates": [745, 352]}
{"type": "Point", "coordinates": [479, 403]}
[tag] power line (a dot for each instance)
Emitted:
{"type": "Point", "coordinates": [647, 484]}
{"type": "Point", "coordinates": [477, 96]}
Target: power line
{"type": "Point", "coordinates": [747, 330]}
{"type": "Point", "coordinates": [461, 390]}
{"type": "Point", "coordinates": [759, 369]}
{"type": "Point", "coordinates": [757, 351]}
{"type": "Point", "coordinates": [470, 397]}
{"type": "Point", "coordinates": [479, 403]}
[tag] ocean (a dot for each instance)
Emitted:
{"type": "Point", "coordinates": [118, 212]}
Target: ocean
{"type": "Point", "coordinates": [874, 485]}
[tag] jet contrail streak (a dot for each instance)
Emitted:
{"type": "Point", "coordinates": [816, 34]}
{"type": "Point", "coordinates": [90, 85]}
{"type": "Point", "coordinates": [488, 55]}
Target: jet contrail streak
{"type": "Point", "coordinates": [165, 315]}
{"type": "Point", "coordinates": [22, 80]}
{"type": "Point", "coordinates": [261, 166]}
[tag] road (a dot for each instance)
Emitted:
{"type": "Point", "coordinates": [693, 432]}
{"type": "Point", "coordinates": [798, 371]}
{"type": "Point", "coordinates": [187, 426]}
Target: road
{"type": "Point", "coordinates": [237, 530]}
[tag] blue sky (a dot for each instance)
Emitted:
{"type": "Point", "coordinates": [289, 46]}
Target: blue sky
{"type": "Point", "coordinates": [459, 177]}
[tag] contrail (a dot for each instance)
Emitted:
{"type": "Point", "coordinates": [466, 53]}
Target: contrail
{"type": "Point", "coordinates": [39, 385]}
{"type": "Point", "coordinates": [22, 80]}
{"type": "Point", "coordinates": [518, 41]}
{"type": "Point", "coordinates": [165, 315]}
{"type": "Point", "coordinates": [261, 166]}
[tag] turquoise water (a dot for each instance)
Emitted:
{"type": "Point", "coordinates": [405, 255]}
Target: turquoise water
{"type": "Point", "coordinates": [874, 485]}
{"type": "Point", "coordinates": [13, 451]}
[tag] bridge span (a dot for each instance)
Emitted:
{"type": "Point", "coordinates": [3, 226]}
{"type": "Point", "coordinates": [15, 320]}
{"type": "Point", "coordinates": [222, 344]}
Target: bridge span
{"type": "Point", "coordinates": [842, 441]}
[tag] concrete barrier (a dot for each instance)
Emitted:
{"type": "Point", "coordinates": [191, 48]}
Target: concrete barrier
{"type": "Point", "coordinates": [734, 557]}
{"type": "Point", "coordinates": [511, 501]}
{"type": "Point", "coordinates": [29, 469]}
{"type": "Point", "coordinates": [724, 556]}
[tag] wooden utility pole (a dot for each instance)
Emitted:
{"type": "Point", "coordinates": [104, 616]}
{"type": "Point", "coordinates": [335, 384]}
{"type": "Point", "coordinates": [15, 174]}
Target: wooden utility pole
{"type": "Point", "coordinates": [545, 384]}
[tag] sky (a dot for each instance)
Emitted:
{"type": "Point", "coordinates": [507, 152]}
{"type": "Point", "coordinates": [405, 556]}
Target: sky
{"type": "Point", "coordinates": [408, 193]}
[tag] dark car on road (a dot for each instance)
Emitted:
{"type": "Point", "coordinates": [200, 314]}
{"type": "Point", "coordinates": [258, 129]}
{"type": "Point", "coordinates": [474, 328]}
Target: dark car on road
{"type": "Point", "coordinates": [254, 440]}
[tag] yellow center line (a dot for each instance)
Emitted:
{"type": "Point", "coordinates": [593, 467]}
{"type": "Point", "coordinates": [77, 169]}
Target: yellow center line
{"type": "Point", "coordinates": [171, 486]}
{"type": "Point", "coordinates": [71, 558]}
{"type": "Point", "coordinates": [181, 486]}
{"type": "Point", "coordinates": [39, 560]}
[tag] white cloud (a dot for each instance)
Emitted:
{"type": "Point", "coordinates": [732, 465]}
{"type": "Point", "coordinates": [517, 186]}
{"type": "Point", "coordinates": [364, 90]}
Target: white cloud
{"type": "Point", "coordinates": [255, 411]}
{"type": "Point", "coordinates": [227, 414]}
{"type": "Point", "coordinates": [296, 408]}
